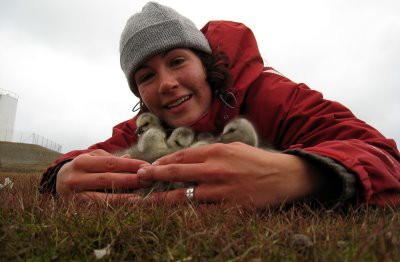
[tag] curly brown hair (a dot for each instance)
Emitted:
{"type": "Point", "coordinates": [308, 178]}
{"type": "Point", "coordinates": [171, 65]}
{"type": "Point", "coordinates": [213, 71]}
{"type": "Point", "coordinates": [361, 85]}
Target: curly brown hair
{"type": "Point", "coordinates": [217, 70]}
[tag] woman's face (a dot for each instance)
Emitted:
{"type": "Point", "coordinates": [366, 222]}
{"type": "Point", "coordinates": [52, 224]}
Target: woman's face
{"type": "Point", "coordinates": [173, 86]}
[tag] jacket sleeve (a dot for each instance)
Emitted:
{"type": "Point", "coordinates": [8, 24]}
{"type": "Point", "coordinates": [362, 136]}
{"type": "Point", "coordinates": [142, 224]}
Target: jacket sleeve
{"type": "Point", "coordinates": [301, 120]}
{"type": "Point", "coordinates": [123, 136]}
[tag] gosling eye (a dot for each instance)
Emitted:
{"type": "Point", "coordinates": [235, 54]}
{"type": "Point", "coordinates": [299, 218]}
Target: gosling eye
{"type": "Point", "coordinates": [231, 130]}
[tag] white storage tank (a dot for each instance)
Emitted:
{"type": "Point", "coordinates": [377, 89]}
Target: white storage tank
{"type": "Point", "coordinates": [8, 111]}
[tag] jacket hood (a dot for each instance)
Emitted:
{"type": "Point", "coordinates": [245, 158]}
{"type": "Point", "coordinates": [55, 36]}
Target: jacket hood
{"type": "Point", "coordinates": [238, 43]}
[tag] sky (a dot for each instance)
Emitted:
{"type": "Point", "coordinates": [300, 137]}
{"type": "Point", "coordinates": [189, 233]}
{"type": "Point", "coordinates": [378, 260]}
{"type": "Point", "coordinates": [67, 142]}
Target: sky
{"type": "Point", "coordinates": [61, 57]}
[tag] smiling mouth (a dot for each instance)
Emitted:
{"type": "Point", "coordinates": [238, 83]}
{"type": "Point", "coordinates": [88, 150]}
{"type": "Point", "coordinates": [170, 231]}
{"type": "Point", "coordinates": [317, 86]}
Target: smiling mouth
{"type": "Point", "coordinates": [178, 102]}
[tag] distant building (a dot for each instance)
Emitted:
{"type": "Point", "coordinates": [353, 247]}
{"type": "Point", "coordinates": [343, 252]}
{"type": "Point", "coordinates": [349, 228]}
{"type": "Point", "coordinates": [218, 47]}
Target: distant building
{"type": "Point", "coordinates": [8, 111]}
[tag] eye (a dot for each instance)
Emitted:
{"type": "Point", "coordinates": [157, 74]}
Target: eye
{"type": "Point", "coordinates": [231, 130]}
{"type": "Point", "coordinates": [144, 78]}
{"type": "Point", "coordinates": [177, 61]}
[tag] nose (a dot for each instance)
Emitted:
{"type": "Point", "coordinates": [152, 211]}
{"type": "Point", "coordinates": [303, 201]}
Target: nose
{"type": "Point", "coordinates": [168, 81]}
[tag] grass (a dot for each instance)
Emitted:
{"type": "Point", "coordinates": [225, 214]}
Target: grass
{"type": "Point", "coordinates": [27, 154]}
{"type": "Point", "coordinates": [39, 227]}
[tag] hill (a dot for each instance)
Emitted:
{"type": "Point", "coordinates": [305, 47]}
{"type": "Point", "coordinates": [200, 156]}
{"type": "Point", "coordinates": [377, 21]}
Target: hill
{"type": "Point", "coordinates": [20, 157]}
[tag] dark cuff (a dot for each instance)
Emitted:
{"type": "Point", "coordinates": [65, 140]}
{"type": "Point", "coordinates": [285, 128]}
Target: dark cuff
{"type": "Point", "coordinates": [345, 185]}
{"type": "Point", "coordinates": [49, 179]}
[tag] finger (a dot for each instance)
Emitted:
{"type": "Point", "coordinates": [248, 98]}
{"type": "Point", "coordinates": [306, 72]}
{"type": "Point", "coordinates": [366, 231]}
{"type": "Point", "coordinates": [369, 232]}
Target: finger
{"type": "Point", "coordinates": [98, 152]}
{"type": "Point", "coordinates": [177, 196]}
{"type": "Point", "coordinates": [201, 194]}
{"type": "Point", "coordinates": [188, 155]}
{"type": "Point", "coordinates": [178, 173]}
{"type": "Point", "coordinates": [107, 197]}
{"type": "Point", "coordinates": [93, 181]}
{"type": "Point", "coordinates": [107, 163]}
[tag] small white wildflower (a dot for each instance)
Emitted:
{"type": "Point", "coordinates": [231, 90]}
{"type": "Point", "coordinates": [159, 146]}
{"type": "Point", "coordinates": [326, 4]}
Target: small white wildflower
{"type": "Point", "coordinates": [7, 182]}
{"type": "Point", "coordinates": [100, 253]}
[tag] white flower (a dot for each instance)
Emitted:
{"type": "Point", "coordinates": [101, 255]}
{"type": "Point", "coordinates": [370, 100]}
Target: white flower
{"type": "Point", "coordinates": [100, 253]}
{"type": "Point", "coordinates": [7, 182]}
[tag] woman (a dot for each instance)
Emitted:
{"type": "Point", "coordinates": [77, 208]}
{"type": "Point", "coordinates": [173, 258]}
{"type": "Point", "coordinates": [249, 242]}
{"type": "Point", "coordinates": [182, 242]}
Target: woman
{"type": "Point", "coordinates": [179, 74]}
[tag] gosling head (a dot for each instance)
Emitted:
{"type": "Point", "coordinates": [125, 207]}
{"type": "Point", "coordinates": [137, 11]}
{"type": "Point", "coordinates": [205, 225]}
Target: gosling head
{"type": "Point", "coordinates": [181, 137]}
{"type": "Point", "coordinates": [152, 140]}
{"type": "Point", "coordinates": [239, 130]}
{"type": "Point", "coordinates": [146, 121]}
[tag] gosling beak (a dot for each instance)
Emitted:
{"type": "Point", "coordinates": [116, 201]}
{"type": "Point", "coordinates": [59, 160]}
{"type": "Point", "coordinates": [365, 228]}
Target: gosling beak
{"type": "Point", "coordinates": [139, 131]}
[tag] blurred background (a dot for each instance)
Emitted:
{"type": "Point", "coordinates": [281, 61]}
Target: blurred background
{"type": "Point", "coordinates": [61, 58]}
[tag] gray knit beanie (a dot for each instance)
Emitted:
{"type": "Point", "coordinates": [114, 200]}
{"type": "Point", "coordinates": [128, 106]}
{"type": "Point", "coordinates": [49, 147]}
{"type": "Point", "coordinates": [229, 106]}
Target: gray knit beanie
{"type": "Point", "coordinates": [155, 29]}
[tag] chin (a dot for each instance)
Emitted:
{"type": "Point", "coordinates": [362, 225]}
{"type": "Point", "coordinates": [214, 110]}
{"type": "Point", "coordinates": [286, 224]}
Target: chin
{"type": "Point", "coordinates": [181, 122]}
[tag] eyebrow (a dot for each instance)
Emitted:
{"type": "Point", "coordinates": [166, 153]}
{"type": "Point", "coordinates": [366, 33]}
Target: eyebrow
{"type": "Point", "coordinates": [163, 54]}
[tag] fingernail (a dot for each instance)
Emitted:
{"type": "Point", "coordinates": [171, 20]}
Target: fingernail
{"type": "Point", "coordinates": [155, 163]}
{"type": "Point", "coordinates": [141, 172]}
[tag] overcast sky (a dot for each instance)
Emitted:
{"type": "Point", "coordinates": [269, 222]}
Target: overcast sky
{"type": "Point", "coordinates": [61, 57]}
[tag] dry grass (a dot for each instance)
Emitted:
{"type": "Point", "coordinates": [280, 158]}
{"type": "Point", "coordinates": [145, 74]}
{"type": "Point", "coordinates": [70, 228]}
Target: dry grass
{"type": "Point", "coordinates": [38, 227]}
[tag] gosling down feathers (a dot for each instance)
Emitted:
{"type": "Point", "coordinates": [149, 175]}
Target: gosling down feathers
{"type": "Point", "coordinates": [239, 130]}
{"type": "Point", "coordinates": [147, 121]}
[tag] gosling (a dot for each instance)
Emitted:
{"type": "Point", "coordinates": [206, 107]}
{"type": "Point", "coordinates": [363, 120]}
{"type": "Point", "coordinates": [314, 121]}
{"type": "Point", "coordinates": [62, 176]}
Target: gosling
{"type": "Point", "coordinates": [203, 139]}
{"type": "Point", "coordinates": [151, 144]}
{"type": "Point", "coordinates": [239, 130]}
{"type": "Point", "coordinates": [181, 137]}
{"type": "Point", "coordinates": [146, 121]}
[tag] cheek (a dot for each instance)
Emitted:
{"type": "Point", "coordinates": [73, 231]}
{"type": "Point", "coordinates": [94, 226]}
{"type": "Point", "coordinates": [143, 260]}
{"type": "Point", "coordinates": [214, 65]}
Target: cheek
{"type": "Point", "coordinates": [142, 93]}
{"type": "Point", "coordinates": [203, 86]}
{"type": "Point", "coordinates": [147, 97]}
{"type": "Point", "coordinates": [199, 78]}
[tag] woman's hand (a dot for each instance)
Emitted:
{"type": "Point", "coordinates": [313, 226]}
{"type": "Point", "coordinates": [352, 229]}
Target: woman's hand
{"type": "Point", "coordinates": [98, 170]}
{"type": "Point", "coordinates": [235, 173]}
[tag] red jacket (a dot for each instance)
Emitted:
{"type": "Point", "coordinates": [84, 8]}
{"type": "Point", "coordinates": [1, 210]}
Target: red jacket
{"type": "Point", "coordinates": [288, 115]}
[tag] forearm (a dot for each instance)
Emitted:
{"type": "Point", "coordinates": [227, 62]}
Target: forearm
{"type": "Point", "coordinates": [337, 183]}
{"type": "Point", "coordinates": [49, 178]}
